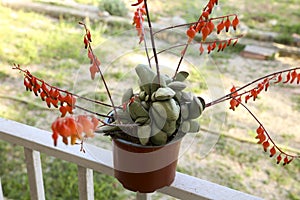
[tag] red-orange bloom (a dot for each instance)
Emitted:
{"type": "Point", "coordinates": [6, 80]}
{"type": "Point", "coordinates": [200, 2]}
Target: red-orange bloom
{"type": "Point", "coordinates": [235, 22]}
{"type": "Point", "coordinates": [229, 42]}
{"type": "Point", "coordinates": [227, 24]}
{"type": "Point", "coordinates": [50, 94]}
{"type": "Point", "coordinates": [94, 68]}
{"type": "Point", "coordinates": [85, 41]}
{"type": "Point", "coordinates": [73, 127]}
{"type": "Point", "coordinates": [233, 91]}
{"type": "Point", "coordinates": [88, 35]}
{"type": "Point", "coordinates": [224, 46]}
{"type": "Point", "coordinates": [294, 75]}
{"type": "Point", "coordinates": [254, 94]}
{"type": "Point", "coordinates": [288, 77]}
{"type": "Point", "coordinates": [298, 78]}
{"type": "Point", "coordinates": [279, 78]}
{"type": "Point", "coordinates": [279, 158]}
{"type": "Point", "coordinates": [205, 14]}
{"type": "Point", "coordinates": [209, 48]}
{"type": "Point", "coordinates": [200, 25]}
{"type": "Point", "coordinates": [266, 144]}
{"type": "Point", "coordinates": [211, 26]}
{"type": "Point", "coordinates": [213, 46]}
{"type": "Point", "coordinates": [220, 27]}
{"type": "Point", "coordinates": [205, 31]}
{"type": "Point", "coordinates": [267, 84]}
{"type": "Point", "coordinates": [201, 49]}
{"type": "Point", "coordinates": [138, 20]}
{"type": "Point", "coordinates": [233, 104]}
{"type": "Point", "coordinates": [191, 32]}
{"type": "Point", "coordinates": [261, 137]}
{"type": "Point", "coordinates": [272, 151]}
{"type": "Point", "coordinates": [220, 46]}
{"type": "Point", "coordinates": [285, 161]}
{"type": "Point", "coordinates": [260, 130]}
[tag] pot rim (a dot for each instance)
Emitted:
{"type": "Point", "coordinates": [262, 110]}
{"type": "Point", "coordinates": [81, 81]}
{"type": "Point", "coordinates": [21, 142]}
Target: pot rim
{"type": "Point", "coordinates": [178, 137]}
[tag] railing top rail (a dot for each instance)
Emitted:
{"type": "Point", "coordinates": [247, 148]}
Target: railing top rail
{"type": "Point", "coordinates": [94, 158]}
{"type": "Point", "coordinates": [100, 160]}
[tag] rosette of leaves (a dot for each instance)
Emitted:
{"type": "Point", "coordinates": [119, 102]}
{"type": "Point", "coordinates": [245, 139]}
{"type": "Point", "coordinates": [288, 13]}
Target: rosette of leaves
{"type": "Point", "coordinates": [159, 113]}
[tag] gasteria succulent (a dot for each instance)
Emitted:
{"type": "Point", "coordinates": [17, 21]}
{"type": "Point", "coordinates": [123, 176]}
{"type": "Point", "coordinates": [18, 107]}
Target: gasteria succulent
{"type": "Point", "coordinates": [162, 110]}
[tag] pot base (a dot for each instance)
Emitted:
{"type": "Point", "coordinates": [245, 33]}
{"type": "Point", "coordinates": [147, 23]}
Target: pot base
{"type": "Point", "coordinates": [145, 169]}
{"type": "Point", "coordinates": [147, 182]}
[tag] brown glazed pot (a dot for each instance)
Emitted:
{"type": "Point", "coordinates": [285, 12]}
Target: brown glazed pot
{"type": "Point", "coordinates": [143, 168]}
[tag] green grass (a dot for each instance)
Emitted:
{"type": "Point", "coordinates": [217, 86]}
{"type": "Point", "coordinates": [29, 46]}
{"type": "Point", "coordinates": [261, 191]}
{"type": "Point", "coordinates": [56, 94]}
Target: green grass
{"type": "Point", "coordinates": [30, 38]}
{"type": "Point", "coordinates": [255, 14]}
{"type": "Point", "coordinates": [284, 38]}
{"type": "Point", "coordinates": [114, 7]}
{"type": "Point", "coordinates": [51, 50]}
{"type": "Point", "coordinates": [262, 12]}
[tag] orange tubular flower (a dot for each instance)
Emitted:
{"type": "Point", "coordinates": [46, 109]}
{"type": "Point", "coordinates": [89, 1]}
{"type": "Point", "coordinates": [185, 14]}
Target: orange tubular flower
{"type": "Point", "coordinates": [235, 22]}
{"type": "Point", "coordinates": [205, 32]}
{"type": "Point", "coordinates": [294, 75]}
{"type": "Point", "coordinates": [138, 20]}
{"type": "Point", "coordinates": [95, 67]}
{"type": "Point", "coordinates": [48, 93]}
{"type": "Point", "coordinates": [273, 152]}
{"type": "Point", "coordinates": [73, 128]}
{"type": "Point", "coordinates": [220, 27]}
{"type": "Point", "coordinates": [211, 26]}
{"type": "Point", "coordinates": [201, 49]}
{"type": "Point", "coordinates": [191, 32]}
{"type": "Point", "coordinates": [263, 84]}
{"type": "Point", "coordinates": [227, 24]}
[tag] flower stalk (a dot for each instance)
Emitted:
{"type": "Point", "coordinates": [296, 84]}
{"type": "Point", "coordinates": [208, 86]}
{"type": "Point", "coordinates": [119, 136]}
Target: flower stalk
{"type": "Point", "coordinates": [268, 77]}
{"type": "Point", "coordinates": [152, 42]}
{"type": "Point", "coordinates": [95, 63]}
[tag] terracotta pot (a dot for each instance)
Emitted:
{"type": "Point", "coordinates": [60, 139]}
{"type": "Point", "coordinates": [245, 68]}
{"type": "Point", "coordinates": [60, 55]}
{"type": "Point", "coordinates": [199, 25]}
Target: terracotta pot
{"type": "Point", "coordinates": [143, 168]}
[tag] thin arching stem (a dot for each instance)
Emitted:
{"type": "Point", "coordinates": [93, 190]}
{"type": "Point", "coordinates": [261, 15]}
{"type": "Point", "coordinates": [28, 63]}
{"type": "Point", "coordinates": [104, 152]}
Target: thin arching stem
{"type": "Point", "coordinates": [144, 39]}
{"type": "Point", "coordinates": [100, 71]}
{"type": "Point", "coordinates": [181, 59]}
{"type": "Point", "coordinates": [265, 131]}
{"type": "Point", "coordinates": [207, 42]}
{"type": "Point", "coordinates": [152, 41]}
{"type": "Point", "coordinates": [191, 23]}
{"type": "Point", "coordinates": [91, 112]}
{"type": "Point", "coordinates": [228, 96]}
{"type": "Point", "coordinates": [188, 42]}
{"type": "Point", "coordinates": [27, 73]}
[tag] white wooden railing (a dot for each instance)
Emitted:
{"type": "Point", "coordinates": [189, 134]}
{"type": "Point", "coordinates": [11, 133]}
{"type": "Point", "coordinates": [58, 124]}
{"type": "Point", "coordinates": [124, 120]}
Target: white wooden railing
{"type": "Point", "coordinates": [97, 159]}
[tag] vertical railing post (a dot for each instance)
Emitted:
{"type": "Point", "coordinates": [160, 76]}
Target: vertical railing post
{"type": "Point", "coordinates": [1, 191]}
{"type": "Point", "coordinates": [143, 196]}
{"type": "Point", "coordinates": [35, 174]}
{"type": "Point", "coordinates": [85, 183]}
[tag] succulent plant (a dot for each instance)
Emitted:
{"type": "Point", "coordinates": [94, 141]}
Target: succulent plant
{"type": "Point", "coordinates": [159, 112]}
